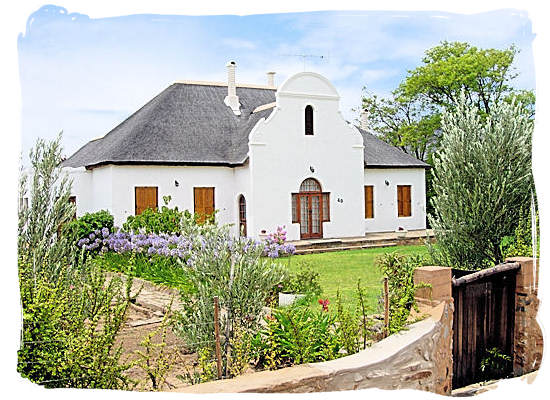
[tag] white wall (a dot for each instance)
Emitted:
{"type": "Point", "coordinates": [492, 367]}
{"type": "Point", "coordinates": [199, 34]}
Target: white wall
{"type": "Point", "coordinates": [281, 156]}
{"type": "Point", "coordinates": [112, 188]}
{"type": "Point", "coordinates": [385, 199]}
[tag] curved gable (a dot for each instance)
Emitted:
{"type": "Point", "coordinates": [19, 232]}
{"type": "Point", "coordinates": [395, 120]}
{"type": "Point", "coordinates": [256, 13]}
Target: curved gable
{"type": "Point", "coordinates": [307, 84]}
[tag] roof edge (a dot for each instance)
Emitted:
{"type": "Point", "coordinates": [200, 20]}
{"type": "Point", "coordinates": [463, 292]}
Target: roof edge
{"type": "Point", "coordinates": [212, 83]}
{"type": "Point", "coordinates": [167, 163]}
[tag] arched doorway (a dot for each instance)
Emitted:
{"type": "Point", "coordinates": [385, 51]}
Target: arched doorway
{"type": "Point", "coordinates": [242, 215]}
{"type": "Point", "coordinates": [309, 209]}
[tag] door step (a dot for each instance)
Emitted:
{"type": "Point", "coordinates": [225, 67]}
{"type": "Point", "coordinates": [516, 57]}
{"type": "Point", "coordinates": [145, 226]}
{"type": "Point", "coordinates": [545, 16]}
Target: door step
{"type": "Point", "coordinates": [314, 250]}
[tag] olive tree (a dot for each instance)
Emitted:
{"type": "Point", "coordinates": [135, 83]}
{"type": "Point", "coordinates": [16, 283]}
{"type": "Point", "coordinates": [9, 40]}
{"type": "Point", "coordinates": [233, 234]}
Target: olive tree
{"type": "Point", "coordinates": [482, 179]}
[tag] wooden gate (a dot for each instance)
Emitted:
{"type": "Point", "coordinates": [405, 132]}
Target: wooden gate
{"type": "Point", "coordinates": [484, 304]}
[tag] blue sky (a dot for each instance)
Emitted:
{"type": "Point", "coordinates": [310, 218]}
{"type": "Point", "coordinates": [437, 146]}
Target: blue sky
{"type": "Point", "coordinates": [84, 76]}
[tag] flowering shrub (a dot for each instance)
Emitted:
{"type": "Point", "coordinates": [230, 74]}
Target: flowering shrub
{"type": "Point", "coordinates": [276, 246]}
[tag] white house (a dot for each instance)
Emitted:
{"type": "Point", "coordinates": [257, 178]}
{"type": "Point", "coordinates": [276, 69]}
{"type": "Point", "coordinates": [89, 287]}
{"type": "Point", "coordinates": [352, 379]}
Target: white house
{"type": "Point", "coordinates": [262, 156]}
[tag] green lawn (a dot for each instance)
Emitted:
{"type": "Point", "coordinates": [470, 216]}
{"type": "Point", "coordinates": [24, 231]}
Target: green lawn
{"type": "Point", "coordinates": [342, 269]}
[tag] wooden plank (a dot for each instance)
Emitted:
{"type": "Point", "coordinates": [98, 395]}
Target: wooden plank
{"type": "Point", "coordinates": [486, 273]}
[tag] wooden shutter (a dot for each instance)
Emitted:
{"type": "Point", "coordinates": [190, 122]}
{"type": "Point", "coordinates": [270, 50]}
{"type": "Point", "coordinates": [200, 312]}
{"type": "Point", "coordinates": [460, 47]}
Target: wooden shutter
{"type": "Point", "coordinates": [204, 202]}
{"type": "Point", "coordinates": [145, 197]}
{"type": "Point", "coordinates": [404, 201]}
{"type": "Point", "coordinates": [369, 201]}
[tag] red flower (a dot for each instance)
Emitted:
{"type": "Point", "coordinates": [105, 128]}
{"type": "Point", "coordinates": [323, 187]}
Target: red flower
{"type": "Point", "coordinates": [324, 303]}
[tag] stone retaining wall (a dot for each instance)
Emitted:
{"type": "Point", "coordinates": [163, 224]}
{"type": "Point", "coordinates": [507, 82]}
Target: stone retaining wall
{"type": "Point", "coordinates": [528, 341]}
{"type": "Point", "coordinates": [418, 358]}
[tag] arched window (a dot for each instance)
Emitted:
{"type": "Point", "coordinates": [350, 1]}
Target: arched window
{"type": "Point", "coordinates": [242, 215]}
{"type": "Point", "coordinates": [310, 185]}
{"type": "Point", "coordinates": [309, 120]}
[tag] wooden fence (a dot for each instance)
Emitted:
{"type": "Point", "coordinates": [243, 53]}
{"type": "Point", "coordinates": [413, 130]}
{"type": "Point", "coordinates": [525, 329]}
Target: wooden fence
{"type": "Point", "coordinates": [484, 303]}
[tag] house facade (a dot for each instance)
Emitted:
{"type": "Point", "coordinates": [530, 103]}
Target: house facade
{"type": "Point", "coordinates": [261, 156]}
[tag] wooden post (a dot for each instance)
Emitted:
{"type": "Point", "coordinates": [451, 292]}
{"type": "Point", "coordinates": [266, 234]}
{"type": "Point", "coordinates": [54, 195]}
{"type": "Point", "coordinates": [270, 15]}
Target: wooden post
{"type": "Point", "coordinates": [386, 308]}
{"type": "Point", "coordinates": [217, 333]}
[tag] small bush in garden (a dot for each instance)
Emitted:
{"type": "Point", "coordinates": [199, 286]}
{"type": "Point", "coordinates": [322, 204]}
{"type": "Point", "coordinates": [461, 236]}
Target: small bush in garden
{"type": "Point", "coordinates": [521, 243]}
{"type": "Point", "coordinates": [153, 360]}
{"type": "Point", "coordinates": [276, 246]}
{"type": "Point", "coordinates": [296, 335]}
{"type": "Point", "coordinates": [90, 223]}
{"type": "Point", "coordinates": [348, 327]}
{"type": "Point", "coordinates": [235, 272]}
{"type": "Point", "coordinates": [400, 272]}
{"type": "Point", "coordinates": [69, 328]}
{"type": "Point", "coordinates": [71, 312]}
{"type": "Point", "coordinates": [304, 281]}
{"type": "Point", "coordinates": [495, 364]}
{"type": "Point", "coordinates": [167, 220]}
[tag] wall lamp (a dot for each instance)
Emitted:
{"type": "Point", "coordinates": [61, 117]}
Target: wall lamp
{"type": "Point", "coordinates": [387, 182]}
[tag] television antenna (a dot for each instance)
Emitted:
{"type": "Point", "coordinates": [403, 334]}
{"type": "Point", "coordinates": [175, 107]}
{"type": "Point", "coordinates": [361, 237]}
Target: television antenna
{"type": "Point", "coordinates": [305, 57]}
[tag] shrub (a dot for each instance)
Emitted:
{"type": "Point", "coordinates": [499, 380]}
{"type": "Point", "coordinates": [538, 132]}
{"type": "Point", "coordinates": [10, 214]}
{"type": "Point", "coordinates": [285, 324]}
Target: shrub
{"type": "Point", "coordinates": [521, 243]}
{"type": "Point", "coordinates": [296, 335]}
{"type": "Point", "coordinates": [399, 270]}
{"type": "Point", "coordinates": [495, 364]}
{"type": "Point", "coordinates": [69, 328]}
{"type": "Point", "coordinates": [276, 246]}
{"type": "Point", "coordinates": [304, 281]}
{"type": "Point", "coordinates": [482, 178]}
{"type": "Point", "coordinates": [71, 313]}
{"type": "Point", "coordinates": [90, 223]}
{"type": "Point", "coordinates": [167, 220]}
{"type": "Point", "coordinates": [235, 272]}
{"type": "Point", "coordinates": [49, 209]}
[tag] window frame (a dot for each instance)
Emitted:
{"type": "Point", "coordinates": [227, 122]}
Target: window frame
{"type": "Point", "coordinates": [309, 129]}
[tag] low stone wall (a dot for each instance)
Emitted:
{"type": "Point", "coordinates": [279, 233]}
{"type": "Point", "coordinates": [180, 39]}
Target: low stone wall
{"type": "Point", "coordinates": [528, 341]}
{"type": "Point", "coordinates": [418, 358]}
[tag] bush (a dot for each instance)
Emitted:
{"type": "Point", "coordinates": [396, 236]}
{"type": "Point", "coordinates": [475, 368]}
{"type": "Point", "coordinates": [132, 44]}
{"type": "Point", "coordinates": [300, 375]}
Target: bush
{"type": "Point", "coordinates": [304, 281]}
{"type": "Point", "coordinates": [521, 243]}
{"type": "Point", "coordinates": [482, 179]}
{"type": "Point", "coordinates": [71, 313]}
{"type": "Point", "coordinates": [69, 328]}
{"type": "Point", "coordinates": [399, 270]}
{"type": "Point", "coordinates": [89, 223]}
{"type": "Point", "coordinates": [296, 335]}
{"type": "Point", "coordinates": [235, 272]}
{"type": "Point", "coordinates": [168, 220]}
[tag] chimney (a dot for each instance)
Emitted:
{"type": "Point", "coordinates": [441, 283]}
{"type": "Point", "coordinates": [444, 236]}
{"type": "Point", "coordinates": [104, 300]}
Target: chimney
{"type": "Point", "coordinates": [364, 120]}
{"type": "Point", "coordinates": [232, 100]}
{"type": "Point", "coordinates": [271, 79]}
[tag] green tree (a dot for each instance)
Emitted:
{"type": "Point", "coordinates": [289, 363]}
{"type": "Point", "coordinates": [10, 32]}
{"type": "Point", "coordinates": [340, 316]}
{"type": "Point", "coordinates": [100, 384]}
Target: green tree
{"type": "Point", "coordinates": [482, 179]}
{"type": "Point", "coordinates": [404, 123]}
{"type": "Point", "coordinates": [483, 75]}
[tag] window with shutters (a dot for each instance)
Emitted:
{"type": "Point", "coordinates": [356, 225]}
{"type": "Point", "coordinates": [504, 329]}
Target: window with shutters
{"type": "Point", "coordinates": [309, 120]}
{"type": "Point", "coordinates": [145, 197]}
{"type": "Point", "coordinates": [204, 203]}
{"type": "Point", "coordinates": [404, 200]}
{"type": "Point", "coordinates": [369, 201]}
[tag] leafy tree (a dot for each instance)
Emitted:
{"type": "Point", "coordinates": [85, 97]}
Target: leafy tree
{"type": "Point", "coordinates": [410, 118]}
{"type": "Point", "coordinates": [482, 179]}
{"type": "Point", "coordinates": [404, 123]}
{"type": "Point", "coordinates": [483, 75]}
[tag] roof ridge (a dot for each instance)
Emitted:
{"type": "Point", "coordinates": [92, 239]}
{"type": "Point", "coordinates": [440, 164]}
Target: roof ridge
{"type": "Point", "coordinates": [213, 83]}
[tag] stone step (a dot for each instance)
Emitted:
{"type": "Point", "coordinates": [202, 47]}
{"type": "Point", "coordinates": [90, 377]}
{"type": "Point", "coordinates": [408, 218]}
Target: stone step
{"type": "Point", "coordinates": [342, 248]}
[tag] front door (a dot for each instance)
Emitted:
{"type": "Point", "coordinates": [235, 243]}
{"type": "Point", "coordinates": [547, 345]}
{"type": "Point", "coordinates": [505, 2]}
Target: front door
{"type": "Point", "coordinates": [310, 216]}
